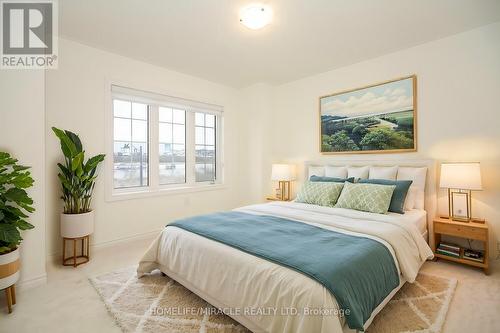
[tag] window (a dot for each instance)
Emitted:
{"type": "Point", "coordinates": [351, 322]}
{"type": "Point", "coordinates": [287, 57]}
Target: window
{"type": "Point", "coordinates": [172, 149]}
{"type": "Point", "coordinates": [162, 143]}
{"type": "Point", "coordinates": [205, 146]}
{"type": "Point", "coordinates": [130, 146]}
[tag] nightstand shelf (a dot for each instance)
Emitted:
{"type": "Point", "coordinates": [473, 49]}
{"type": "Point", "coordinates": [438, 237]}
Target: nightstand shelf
{"type": "Point", "coordinates": [470, 230]}
{"type": "Point", "coordinates": [461, 260]}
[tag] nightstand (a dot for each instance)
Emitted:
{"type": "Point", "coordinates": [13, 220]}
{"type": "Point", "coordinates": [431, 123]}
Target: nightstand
{"type": "Point", "coordinates": [467, 230]}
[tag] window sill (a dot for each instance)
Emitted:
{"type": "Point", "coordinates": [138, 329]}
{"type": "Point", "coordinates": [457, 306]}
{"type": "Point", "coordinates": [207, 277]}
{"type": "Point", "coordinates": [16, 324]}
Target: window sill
{"type": "Point", "coordinates": [147, 193]}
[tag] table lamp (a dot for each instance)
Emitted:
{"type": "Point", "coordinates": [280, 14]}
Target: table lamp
{"type": "Point", "coordinates": [460, 179]}
{"type": "Point", "coordinates": [283, 174]}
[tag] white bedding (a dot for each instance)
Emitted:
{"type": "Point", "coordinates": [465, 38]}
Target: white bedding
{"type": "Point", "coordinates": [417, 217]}
{"type": "Point", "coordinates": [232, 279]}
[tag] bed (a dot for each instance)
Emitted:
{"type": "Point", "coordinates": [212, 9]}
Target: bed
{"type": "Point", "coordinates": [250, 287]}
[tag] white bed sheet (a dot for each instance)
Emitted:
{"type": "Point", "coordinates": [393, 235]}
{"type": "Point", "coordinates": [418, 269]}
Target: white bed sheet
{"type": "Point", "coordinates": [229, 278]}
{"type": "Point", "coordinates": [417, 217]}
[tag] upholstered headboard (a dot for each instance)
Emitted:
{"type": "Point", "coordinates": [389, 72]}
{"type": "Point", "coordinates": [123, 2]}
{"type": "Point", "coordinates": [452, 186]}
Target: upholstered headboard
{"type": "Point", "coordinates": [429, 196]}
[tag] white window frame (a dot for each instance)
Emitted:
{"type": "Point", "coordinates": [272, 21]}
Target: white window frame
{"type": "Point", "coordinates": [155, 100]}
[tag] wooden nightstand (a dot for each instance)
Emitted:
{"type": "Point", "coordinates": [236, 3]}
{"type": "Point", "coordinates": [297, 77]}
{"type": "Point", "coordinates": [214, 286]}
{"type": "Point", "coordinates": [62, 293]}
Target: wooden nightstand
{"type": "Point", "coordinates": [470, 230]}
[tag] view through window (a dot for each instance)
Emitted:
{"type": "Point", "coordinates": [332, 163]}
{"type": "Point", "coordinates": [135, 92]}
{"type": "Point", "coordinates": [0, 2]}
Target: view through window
{"type": "Point", "coordinates": [205, 147]}
{"type": "Point", "coordinates": [130, 144]}
{"type": "Point", "coordinates": [172, 150]}
{"type": "Point", "coordinates": [161, 143]}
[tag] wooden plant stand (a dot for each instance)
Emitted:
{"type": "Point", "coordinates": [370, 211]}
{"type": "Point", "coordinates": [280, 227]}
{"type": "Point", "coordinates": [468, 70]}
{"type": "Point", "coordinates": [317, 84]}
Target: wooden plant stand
{"type": "Point", "coordinates": [76, 260]}
{"type": "Point", "coordinates": [10, 295]}
{"type": "Point", "coordinates": [9, 275]}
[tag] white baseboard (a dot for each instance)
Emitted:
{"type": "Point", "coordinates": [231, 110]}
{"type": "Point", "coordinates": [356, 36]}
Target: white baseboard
{"type": "Point", "coordinates": [137, 237]}
{"type": "Point", "coordinates": [56, 257]}
{"type": "Point", "coordinates": [31, 282]}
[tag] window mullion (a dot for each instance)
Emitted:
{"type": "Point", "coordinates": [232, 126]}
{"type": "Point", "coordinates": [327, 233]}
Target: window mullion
{"type": "Point", "coordinates": [190, 149]}
{"type": "Point", "coordinates": [154, 159]}
{"type": "Point", "coordinates": [218, 151]}
{"type": "Point", "coordinates": [205, 143]}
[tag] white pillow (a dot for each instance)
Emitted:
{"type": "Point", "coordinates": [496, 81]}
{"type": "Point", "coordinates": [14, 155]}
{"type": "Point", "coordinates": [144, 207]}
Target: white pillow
{"type": "Point", "coordinates": [358, 172]}
{"type": "Point", "coordinates": [418, 176]}
{"type": "Point", "coordinates": [383, 172]}
{"type": "Point", "coordinates": [338, 172]}
{"type": "Point", "coordinates": [316, 171]}
{"type": "Point", "coordinates": [410, 198]}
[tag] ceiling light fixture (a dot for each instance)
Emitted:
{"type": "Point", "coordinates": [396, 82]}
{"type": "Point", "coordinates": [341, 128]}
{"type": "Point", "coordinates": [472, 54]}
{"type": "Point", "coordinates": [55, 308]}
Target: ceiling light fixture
{"type": "Point", "coordinates": [256, 16]}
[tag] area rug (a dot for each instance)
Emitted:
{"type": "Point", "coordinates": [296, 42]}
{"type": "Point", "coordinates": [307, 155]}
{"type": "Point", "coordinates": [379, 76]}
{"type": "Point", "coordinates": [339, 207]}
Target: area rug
{"type": "Point", "coordinates": [156, 303]}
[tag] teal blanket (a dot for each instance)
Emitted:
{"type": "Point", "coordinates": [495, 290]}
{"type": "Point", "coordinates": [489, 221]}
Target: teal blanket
{"type": "Point", "coordinates": [358, 271]}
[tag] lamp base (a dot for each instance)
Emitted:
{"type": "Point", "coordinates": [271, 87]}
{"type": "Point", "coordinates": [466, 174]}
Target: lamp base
{"type": "Point", "coordinates": [461, 212]}
{"type": "Point", "coordinates": [461, 219]}
{"type": "Point", "coordinates": [453, 218]}
{"type": "Point", "coordinates": [472, 219]}
{"type": "Point", "coordinates": [284, 190]}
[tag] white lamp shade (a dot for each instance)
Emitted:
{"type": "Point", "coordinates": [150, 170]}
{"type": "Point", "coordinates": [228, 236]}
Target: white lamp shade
{"type": "Point", "coordinates": [463, 176]}
{"type": "Point", "coordinates": [284, 172]}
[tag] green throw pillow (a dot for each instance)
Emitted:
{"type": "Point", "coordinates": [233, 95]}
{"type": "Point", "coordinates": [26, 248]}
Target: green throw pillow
{"type": "Point", "coordinates": [372, 198]}
{"type": "Point", "coordinates": [320, 193]}
{"type": "Point", "coordinates": [399, 195]}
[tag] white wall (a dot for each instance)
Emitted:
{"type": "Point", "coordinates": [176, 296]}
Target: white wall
{"type": "Point", "coordinates": [256, 129]}
{"type": "Point", "coordinates": [76, 101]}
{"type": "Point", "coordinates": [458, 110]}
{"type": "Point", "coordinates": [22, 98]}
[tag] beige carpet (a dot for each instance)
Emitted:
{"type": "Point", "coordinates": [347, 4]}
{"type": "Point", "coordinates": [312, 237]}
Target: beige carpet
{"type": "Point", "coordinates": [157, 303]}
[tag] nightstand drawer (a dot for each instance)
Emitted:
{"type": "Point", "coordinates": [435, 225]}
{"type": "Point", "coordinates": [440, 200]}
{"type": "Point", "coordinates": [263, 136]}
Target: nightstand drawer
{"type": "Point", "coordinates": [461, 231]}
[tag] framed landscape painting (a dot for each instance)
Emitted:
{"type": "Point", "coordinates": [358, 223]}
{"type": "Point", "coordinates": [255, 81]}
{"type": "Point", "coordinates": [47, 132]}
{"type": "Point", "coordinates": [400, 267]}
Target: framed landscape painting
{"type": "Point", "coordinates": [380, 118]}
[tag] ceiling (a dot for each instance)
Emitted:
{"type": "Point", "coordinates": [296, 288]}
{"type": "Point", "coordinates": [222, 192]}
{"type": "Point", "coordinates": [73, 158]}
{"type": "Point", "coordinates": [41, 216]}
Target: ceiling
{"type": "Point", "coordinates": [204, 37]}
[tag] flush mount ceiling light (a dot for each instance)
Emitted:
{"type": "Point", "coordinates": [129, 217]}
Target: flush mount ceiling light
{"type": "Point", "coordinates": [256, 16]}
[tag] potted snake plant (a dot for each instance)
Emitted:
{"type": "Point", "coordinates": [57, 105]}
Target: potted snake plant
{"type": "Point", "coordinates": [77, 178]}
{"type": "Point", "coordinates": [15, 206]}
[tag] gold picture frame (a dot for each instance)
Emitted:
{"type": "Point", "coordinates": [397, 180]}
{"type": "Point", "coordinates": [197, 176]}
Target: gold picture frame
{"type": "Point", "coordinates": [460, 205]}
{"type": "Point", "coordinates": [351, 144]}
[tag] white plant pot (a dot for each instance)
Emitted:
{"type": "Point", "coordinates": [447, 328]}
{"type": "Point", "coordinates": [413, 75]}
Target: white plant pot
{"type": "Point", "coordinates": [9, 268]}
{"type": "Point", "coordinates": [77, 225]}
